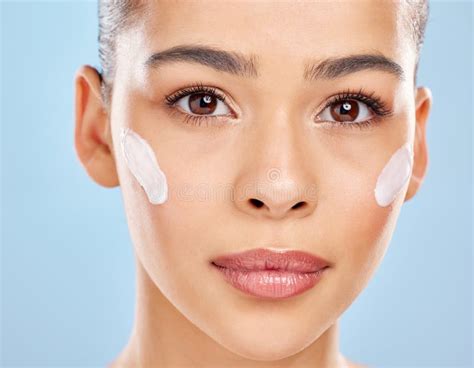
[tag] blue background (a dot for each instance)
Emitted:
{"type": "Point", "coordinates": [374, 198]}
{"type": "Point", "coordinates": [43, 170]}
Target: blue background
{"type": "Point", "coordinates": [67, 272]}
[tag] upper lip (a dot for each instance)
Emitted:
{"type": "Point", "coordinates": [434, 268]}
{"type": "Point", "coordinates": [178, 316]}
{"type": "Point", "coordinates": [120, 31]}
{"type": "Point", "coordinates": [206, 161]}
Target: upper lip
{"type": "Point", "coordinates": [261, 259]}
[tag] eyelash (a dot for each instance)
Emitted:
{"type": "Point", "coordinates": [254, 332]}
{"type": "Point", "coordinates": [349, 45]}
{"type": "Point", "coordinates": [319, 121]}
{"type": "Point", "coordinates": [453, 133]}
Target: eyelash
{"type": "Point", "coordinates": [195, 88]}
{"type": "Point", "coordinates": [374, 103]}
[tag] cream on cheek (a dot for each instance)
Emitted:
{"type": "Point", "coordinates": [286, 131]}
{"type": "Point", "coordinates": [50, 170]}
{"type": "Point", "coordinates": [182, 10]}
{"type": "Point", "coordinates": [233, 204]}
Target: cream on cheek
{"type": "Point", "coordinates": [141, 161]}
{"type": "Point", "coordinates": [394, 175]}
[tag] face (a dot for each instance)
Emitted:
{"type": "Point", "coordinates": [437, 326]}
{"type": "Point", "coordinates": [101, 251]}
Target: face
{"type": "Point", "coordinates": [241, 153]}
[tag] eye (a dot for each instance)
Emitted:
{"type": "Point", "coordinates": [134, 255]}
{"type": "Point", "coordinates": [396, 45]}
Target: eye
{"type": "Point", "coordinates": [346, 111]}
{"type": "Point", "coordinates": [199, 104]}
{"type": "Point", "coordinates": [199, 100]}
{"type": "Point", "coordinates": [203, 104]}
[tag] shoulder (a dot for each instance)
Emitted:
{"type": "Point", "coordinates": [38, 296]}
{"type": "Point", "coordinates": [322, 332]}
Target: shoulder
{"type": "Point", "coordinates": [350, 364]}
{"type": "Point", "coordinates": [356, 365]}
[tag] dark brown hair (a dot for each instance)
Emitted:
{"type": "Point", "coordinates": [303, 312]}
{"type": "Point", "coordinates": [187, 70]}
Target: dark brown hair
{"type": "Point", "coordinates": [116, 16]}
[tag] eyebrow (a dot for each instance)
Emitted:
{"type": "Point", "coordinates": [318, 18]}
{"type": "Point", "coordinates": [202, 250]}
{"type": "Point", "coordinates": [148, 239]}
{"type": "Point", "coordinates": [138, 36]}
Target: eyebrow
{"type": "Point", "coordinates": [238, 64]}
{"type": "Point", "coordinates": [230, 62]}
{"type": "Point", "coordinates": [337, 67]}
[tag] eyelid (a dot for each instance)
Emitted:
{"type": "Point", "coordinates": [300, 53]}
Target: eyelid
{"type": "Point", "coordinates": [373, 102]}
{"type": "Point", "coordinates": [172, 99]}
{"type": "Point", "coordinates": [367, 107]}
{"type": "Point", "coordinates": [183, 105]}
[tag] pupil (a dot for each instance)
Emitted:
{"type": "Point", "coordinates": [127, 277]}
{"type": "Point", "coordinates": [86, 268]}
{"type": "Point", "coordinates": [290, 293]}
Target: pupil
{"type": "Point", "coordinates": [345, 108]}
{"type": "Point", "coordinates": [346, 111]}
{"type": "Point", "coordinates": [201, 103]}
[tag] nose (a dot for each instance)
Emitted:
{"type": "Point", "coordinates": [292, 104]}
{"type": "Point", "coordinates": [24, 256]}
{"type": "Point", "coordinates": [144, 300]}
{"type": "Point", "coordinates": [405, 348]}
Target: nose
{"type": "Point", "coordinates": [276, 195]}
{"type": "Point", "coordinates": [275, 182]}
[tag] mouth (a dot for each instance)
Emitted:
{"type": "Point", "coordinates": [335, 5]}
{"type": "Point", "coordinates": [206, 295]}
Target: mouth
{"type": "Point", "coordinates": [271, 274]}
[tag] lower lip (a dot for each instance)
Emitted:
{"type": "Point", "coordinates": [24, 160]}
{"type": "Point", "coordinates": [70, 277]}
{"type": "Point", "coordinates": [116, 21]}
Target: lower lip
{"type": "Point", "coordinates": [272, 284]}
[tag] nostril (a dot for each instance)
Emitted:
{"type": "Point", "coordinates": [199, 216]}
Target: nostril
{"type": "Point", "coordinates": [298, 205]}
{"type": "Point", "coordinates": [256, 202]}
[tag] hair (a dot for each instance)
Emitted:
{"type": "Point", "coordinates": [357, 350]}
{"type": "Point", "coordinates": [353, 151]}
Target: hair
{"type": "Point", "coordinates": [117, 16]}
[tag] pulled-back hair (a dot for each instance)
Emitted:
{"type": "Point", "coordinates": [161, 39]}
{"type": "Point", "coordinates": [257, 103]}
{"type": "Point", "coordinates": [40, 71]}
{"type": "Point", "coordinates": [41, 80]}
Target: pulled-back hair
{"type": "Point", "coordinates": [115, 17]}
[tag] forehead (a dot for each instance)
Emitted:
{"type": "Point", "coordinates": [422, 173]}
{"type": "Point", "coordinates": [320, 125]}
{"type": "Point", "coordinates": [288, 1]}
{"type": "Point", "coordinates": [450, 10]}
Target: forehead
{"type": "Point", "coordinates": [278, 32]}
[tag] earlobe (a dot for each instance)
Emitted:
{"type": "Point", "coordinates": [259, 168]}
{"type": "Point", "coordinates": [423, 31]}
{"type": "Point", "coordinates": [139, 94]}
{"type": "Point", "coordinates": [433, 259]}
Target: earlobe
{"type": "Point", "coordinates": [423, 102]}
{"type": "Point", "coordinates": [92, 137]}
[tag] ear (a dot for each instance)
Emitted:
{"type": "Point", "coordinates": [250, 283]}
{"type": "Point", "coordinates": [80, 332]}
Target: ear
{"type": "Point", "coordinates": [423, 102]}
{"type": "Point", "coordinates": [92, 137]}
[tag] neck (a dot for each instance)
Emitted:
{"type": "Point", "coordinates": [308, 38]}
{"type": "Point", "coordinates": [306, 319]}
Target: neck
{"type": "Point", "coordinates": [163, 337]}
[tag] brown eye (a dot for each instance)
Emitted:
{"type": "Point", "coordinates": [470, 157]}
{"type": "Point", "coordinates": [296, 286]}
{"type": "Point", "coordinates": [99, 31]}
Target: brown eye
{"type": "Point", "coordinates": [203, 103]}
{"type": "Point", "coordinates": [346, 111]}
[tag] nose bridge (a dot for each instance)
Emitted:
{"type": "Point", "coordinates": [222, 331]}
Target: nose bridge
{"type": "Point", "coordinates": [275, 135]}
{"type": "Point", "coordinates": [275, 181]}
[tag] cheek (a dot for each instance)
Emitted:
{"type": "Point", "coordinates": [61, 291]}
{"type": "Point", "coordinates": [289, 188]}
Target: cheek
{"type": "Point", "coordinates": [140, 159]}
{"type": "Point", "coordinates": [172, 201]}
{"type": "Point", "coordinates": [360, 224]}
{"type": "Point", "coordinates": [366, 230]}
{"type": "Point", "coordinates": [175, 231]}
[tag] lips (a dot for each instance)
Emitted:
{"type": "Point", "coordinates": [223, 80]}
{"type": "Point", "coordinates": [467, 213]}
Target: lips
{"type": "Point", "coordinates": [271, 274]}
{"type": "Point", "coordinates": [264, 259]}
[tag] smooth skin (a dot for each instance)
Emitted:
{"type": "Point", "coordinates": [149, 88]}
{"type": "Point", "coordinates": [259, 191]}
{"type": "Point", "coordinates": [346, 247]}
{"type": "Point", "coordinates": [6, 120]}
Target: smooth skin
{"type": "Point", "coordinates": [269, 148]}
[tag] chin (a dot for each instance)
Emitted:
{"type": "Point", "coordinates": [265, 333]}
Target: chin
{"type": "Point", "coordinates": [264, 342]}
{"type": "Point", "coordinates": [266, 347]}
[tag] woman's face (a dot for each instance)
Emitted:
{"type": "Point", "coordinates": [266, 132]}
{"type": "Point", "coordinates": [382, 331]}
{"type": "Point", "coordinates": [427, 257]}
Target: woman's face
{"type": "Point", "coordinates": [273, 139]}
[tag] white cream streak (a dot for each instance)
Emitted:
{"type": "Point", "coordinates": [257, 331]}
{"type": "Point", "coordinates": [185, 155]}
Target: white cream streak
{"type": "Point", "coordinates": [141, 161]}
{"type": "Point", "coordinates": [394, 176]}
